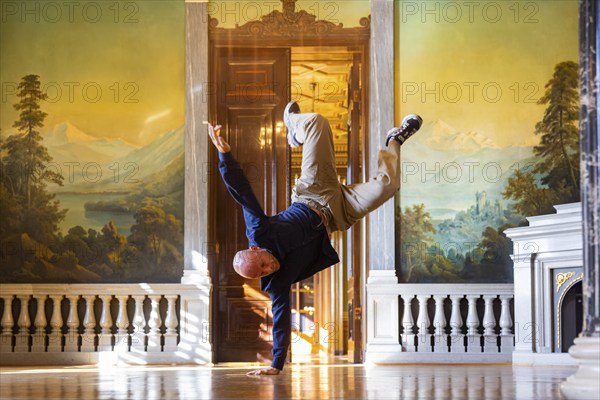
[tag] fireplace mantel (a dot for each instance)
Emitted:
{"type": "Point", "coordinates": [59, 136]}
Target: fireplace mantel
{"type": "Point", "coordinates": [549, 246]}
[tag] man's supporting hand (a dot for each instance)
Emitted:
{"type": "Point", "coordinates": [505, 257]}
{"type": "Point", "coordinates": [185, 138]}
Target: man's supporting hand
{"type": "Point", "coordinates": [264, 371]}
{"type": "Point", "coordinates": [217, 139]}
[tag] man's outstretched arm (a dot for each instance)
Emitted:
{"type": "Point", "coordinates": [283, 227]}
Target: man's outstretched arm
{"type": "Point", "coordinates": [282, 329]}
{"type": "Point", "coordinates": [235, 180]}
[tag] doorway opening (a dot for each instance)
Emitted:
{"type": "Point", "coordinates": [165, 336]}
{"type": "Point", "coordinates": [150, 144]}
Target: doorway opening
{"type": "Point", "coordinates": [325, 80]}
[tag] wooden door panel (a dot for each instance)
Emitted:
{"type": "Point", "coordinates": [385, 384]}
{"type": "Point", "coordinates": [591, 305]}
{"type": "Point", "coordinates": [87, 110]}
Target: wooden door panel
{"type": "Point", "coordinates": [251, 97]}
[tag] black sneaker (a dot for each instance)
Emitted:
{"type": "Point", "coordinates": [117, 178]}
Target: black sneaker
{"type": "Point", "coordinates": [410, 124]}
{"type": "Point", "coordinates": [291, 108]}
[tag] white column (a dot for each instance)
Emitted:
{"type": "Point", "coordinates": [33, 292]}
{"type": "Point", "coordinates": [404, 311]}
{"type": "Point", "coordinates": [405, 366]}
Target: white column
{"type": "Point", "coordinates": [506, 337]}
{"type": "Point", "coordinates": [490, 339]}
{"type": "Point", "coordinates": [88, 339]}
{"type": "Point", "coordinates": [56, 323]}
{"type": "Point", "coordinates": [138, 336]}
{"type": "Point", "coordinates": [440, 338]}
{"type": "Point", "coordinates": [7, 323]}
{"type": "Point", "coordinates": [408, 337]}
{"type": "Point", "coordinates": [106, 322]}
{"type": "Point", "coordinates": [457, 339]}
{"type": "Point", "coordinates": [473, 336]}
{"type": "Point", "coordinates": [423, 323]}
{"type": "Point", "coordinates": [154, 323]}
{"type": "Point", "coordinates": [72, 337]}
{"type": "Point", "coordinates": [23, 323]}
{"type": "Point", "coordinates": [122, 336]}
{"type": "Point", "coordinates": [38, 339]}
{"type": "Point", "coordinates": [171, 324]}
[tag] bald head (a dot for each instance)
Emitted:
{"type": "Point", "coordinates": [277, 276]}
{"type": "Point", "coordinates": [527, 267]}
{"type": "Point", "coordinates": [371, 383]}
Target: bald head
{"type": "Point", "coordinates": [255, 263]}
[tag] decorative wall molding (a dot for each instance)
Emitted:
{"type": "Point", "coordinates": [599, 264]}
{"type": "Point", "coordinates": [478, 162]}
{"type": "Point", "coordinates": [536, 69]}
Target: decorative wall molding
{"type": "Point", "coordinates": [288, 24]}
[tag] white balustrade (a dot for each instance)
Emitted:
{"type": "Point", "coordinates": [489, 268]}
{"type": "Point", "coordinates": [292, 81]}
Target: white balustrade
{"type": "Point", "coordinates": [72, 337]}
{"type": "Point", "coordinates": [90, 326]}
{"type": "Point", "coordinates": [38, 339]}
{"type": "Point", "coordinates": [23, 324]}
{"type": "Point", "coordinates": [122, 337]}
{"type": "Point", "coordinates": [7, 323]}
{"type": "Point", "coordinates": [105, 336]}
{"type": "Point", "coordinates": [138, 339]}
{"type": "Point", "coordinates": [457, 339]}
{"type": "Point", "coordinates": [506, 324]}
{"type": "Point", "coordinates": [88, 340]}
{"type": "Point", "coordinates": [440, 339]}
{"type": "Point", "coordinates": [473, 336]}
{"type": "Point", "coordinates": [154, 323]}
{"type": "Point", "coordinates": [55, 338]}
{"type": "Point", "coordinates": [423, 323]}
{"type": "Point", "coordinates": [408, 337]}
{"type": "Point", "coordinates": [171, 324]}
{"type": "Point", "coordinates": [468, 340]}
{"type": "Point", "coordinates": [490, 339]}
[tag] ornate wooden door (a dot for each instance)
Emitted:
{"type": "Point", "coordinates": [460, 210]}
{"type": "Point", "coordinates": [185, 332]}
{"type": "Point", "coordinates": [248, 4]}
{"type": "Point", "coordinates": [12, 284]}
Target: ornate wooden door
{"type": "Point", "coordinates": [251, 91]}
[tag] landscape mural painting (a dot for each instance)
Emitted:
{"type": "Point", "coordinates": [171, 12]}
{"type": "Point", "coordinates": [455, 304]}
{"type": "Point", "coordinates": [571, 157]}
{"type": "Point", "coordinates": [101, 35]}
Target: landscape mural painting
{"type": "Point", "coordinates": [500, 141]}
{"type": "Point", "coordinates": [92, 157]}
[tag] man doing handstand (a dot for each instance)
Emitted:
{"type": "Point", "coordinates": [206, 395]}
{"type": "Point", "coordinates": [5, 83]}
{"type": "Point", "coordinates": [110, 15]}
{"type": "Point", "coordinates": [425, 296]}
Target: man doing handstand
{"type": "Point", "coordinates": [294, 244]}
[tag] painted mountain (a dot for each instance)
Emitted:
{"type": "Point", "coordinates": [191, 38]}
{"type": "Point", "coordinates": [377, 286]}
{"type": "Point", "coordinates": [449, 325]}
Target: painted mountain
{"type": "Point", "coordinates": [444, 168]}
{"type": "Point", "coordinates": [67, 145]}
{"type": "Point", "coordinates": [109, 179]}
{"type": "Point", "coordinates": [100, 165]}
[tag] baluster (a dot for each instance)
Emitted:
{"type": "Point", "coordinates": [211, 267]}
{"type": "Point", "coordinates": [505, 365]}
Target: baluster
{"type": "Point", "coordinates": [171, 324]}
{"type": "Point", "coordinates": [122, 337]}
{"type": "Point", "coordinates": [457, 339]}
{"type": "Point", "coordinates": [55, 339]}
{"type": "Point", "coordinates": [72, 338]}
{"type": "Point", "coordinates": [506, 336]}
{"type": "Point", "coordinates": [106, 322]}
{"type": "Point", "coordinates": [440, 339]}
{"type": "Point", "coordinates": [7, 323]}
{"type": "Point", "coordinates": [88, 339]}
{"type": "Point", "coordinates": [423, 322]}
{"type": "Point", "coordinates": [138, 337]}
{"type": "Point", "coordinates": [154, 335]}
{"type": "Point", "coordinates": [38, 339]}
{"type": "Point", "coordinates": [490, 339]}
{"type": "Point", "coordinates": [473, 337]}
{"type": "Point", "coordinates": [408, 337]}
{"type": "Point", "coordinates": [23, 323]}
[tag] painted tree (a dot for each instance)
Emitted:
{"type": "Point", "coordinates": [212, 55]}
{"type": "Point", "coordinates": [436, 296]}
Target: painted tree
{"type": "Point", "coordinates": [415, 235]}
{"type": "Point", "coordinates": [559, 142]}
{"type": "Point", "coordinates": [531, 199]}
{"type": "Point", "coordinates": [154, 233]}
{"type": "Point", "coordinates": [25, 161]}
{"type": "Point", "coordinates": [555, 177]}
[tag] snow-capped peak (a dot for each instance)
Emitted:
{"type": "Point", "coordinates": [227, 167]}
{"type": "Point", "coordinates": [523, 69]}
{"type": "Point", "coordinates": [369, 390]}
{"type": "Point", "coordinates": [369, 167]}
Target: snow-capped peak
{"type": "Point", "coordinates": [440, 135]}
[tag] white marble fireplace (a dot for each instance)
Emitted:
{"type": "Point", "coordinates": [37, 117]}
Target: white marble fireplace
{"type": "Point", "coordinates": [548, 260]}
